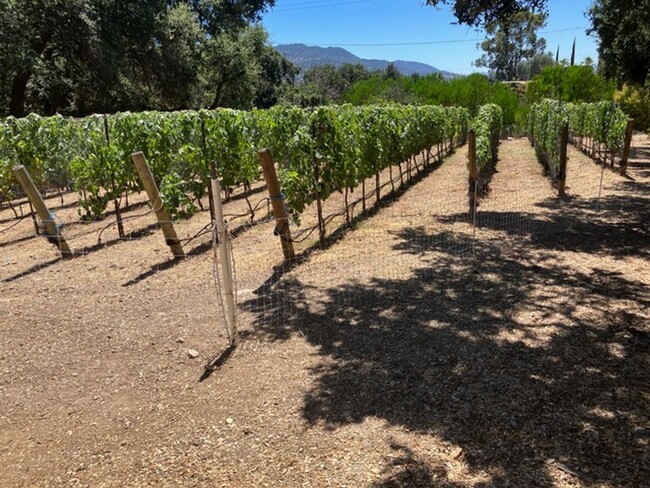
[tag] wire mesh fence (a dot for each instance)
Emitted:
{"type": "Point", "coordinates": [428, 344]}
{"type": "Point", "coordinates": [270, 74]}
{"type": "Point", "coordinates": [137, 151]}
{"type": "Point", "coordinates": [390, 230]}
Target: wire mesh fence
{"type": "Point", "coordinates": [407, 223]}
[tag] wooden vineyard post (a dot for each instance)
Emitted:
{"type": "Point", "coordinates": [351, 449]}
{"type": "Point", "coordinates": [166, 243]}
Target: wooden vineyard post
{"type": "Point", "coordinates": [154, 196]}
{"type": "Point", "coordinates": [36, 199]}
{"type": "Point", "coordinates": [116, 201]}
{"type": "Point", "coordinates": [226, 267]}
{"type": "Point", "coordinates": [377, 188]}
{"type": "Point", "coordinates": [277, 203]}
{"type": "Point", "coordinates": [319, 203]}
{"type": "Point", "coordinates": [473, 170]}
{"type": "Point", "coordinates": [629, 130]}
{"type": "Point", "coordinates": [564, 141]}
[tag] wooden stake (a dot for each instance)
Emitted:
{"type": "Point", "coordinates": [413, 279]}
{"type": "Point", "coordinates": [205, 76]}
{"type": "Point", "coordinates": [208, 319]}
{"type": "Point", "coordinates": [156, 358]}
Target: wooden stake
{"type": "Point", "coordinates": [277, 203]}
{"type": "Point", "coordinates": [154, 196]}
{"type": "Point", "coordinates": [629, 130]}
{"type": "Point", "coordinates": [319, 202]}
{"type": "Point", "coordinates": [226, 267]}
{"type": "Point", "coordinates": [564, 141]}
{"type": "Point", "coordinates": [36, 199]}
{"type": "Point", "coordinates": [473, 169]}
{"type": "Point", "coordinates": [377, 187]}
{"type": "Point", "coordinates": [321, 222]}
{"type": "Point", "coordinates": [347, 206]}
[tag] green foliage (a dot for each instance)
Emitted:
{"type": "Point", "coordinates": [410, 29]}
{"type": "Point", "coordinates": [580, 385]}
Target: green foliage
{"type": "Point", "coordinates": [320, 151]}
{"type": "Point", "coordinates": [573, 84]}
{"type": "Point", "coordinates": [546, 120]}
{"type": "Point", "coordinates": [602, 121]}
{"type": "Point", "coordinates": [91, 56]}
{"type": "Point", "coordinates": [43, 145]}
{"type": "Point", "coordinates": [623, 28]}
{"type": "Point", "coordinates": [96, 167]}
{"type": "Point", "coordinates": [380, 90]}
{"type": "Point", "coordinates": [511, 41]}
{"type": "Point", "coordinates": [487, 126]}
{"type": "Point", "coordinates": [174, 192]}
{"type": "Point", "coordinates": [325, 84]}
{"type": "Point", "coordinates": [530, 67]}
{"type": "Point", "coordinates": [635, 101]}
{"type": "Point", "coordinates": [338, 147]}
{"type": "Point", "coordinates": [481, 12]}
{"type": "Point", "coordinates": [470, 92]}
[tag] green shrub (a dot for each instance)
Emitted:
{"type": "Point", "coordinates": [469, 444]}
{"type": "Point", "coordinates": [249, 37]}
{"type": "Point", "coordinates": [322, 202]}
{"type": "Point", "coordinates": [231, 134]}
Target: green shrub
{"type": "Point", "coordinates": [635, 102]}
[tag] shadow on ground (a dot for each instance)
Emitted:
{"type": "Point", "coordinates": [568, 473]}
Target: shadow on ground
{"type": "Point", "coordinates": [617, 224]}
{"type": "Point", "coordinates": [520, 362]}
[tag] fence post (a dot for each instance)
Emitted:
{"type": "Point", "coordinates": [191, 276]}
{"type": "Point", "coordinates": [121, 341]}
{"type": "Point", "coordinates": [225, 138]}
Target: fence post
{"type": "Point", "coordinates": [277, 203]}
{"type": "Point", "coordinates": [629, 130]}
{"type": "Point", "coordinates": [152, 191]}
{"type": "Point", "coordinates": [224, 250]}
{"type": "Point", "coordinates": [36, 199]}
{"type": "Point", "coordinates": [473, 169]}
{"type": "Point", "coordinates": [564, 141]}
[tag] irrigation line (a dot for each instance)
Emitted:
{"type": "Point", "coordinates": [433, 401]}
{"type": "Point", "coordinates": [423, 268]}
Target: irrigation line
{"type": "Point", "coordinates": [14, 224]}
{"type": "Point", "coordinates": [115, 222]}
{"type": "Point", "coordinates": [249, 213]}
{"type": "Point", "coordinates": [204, 230]}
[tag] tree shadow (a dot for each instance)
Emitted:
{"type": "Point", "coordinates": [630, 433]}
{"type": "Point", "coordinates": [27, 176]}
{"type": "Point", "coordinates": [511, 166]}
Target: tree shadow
{"type": "Point", "coordinates": [32, 269]}
{"type": "Point", "coordinates": [386, 201]}
{"type": "Point", "coordinates": [84, 251]}
{"type": "Point", "coordinates": [618, 225]}
{"type": "Point", "coordinates": [169, 264]}
{"type": "Point", "coordinates": [640, 153]}
{"type": "Point", "coordinates": [518, 363]}
{"type": "Point", "coordinates": [406, 469]}
{"type": "Point", "coordinates": [639, 162]}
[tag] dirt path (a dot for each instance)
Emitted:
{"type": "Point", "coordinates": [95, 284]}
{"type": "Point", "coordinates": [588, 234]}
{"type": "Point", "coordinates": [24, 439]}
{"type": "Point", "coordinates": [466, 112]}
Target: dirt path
{"type": "Point", "coordinates": [389, 358]}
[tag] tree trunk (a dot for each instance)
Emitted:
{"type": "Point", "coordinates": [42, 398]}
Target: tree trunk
{"type": "Point", "coordinates": [19, 94]}
{"type": "Point", "coordinates": [217, 97]}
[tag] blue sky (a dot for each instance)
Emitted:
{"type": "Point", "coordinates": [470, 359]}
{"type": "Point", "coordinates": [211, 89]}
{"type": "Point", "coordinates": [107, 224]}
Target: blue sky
{"type": "Point", "coordinates": [424, 32]}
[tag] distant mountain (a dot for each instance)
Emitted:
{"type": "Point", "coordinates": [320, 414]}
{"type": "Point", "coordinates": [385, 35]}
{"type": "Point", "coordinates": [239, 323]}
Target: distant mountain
{"type": "Point", "coordinates": [309, 56]}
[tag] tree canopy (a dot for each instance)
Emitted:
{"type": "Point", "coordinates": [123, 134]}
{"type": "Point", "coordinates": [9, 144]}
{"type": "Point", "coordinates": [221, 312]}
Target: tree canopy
{"type": "Point", "coordinates": [510, 42]}
{"type": "Point", "coordinates": [623, 27]}
{"type": "Point", "coordinates": [483, 12]}
{"type": "Point", "coordinates": [569, 84]}
{"type": "Point", "coordinates": [82, 56]}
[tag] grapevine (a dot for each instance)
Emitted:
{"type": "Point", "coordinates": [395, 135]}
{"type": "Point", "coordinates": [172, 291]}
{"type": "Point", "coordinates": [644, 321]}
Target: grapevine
{"type": "Point", "coordinates": [319, 151]}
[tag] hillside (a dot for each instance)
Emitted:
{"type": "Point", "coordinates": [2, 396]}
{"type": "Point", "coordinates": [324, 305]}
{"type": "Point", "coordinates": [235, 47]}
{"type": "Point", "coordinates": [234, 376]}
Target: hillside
{"type": "Point", "coordinates": [309, 56]}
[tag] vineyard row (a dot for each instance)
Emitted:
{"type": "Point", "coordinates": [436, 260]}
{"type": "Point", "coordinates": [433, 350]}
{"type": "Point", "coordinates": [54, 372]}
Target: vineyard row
{"type": "Point", "coordinates": [603, 123]}
{"type": "Point", "coordinates": [319, 151]}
